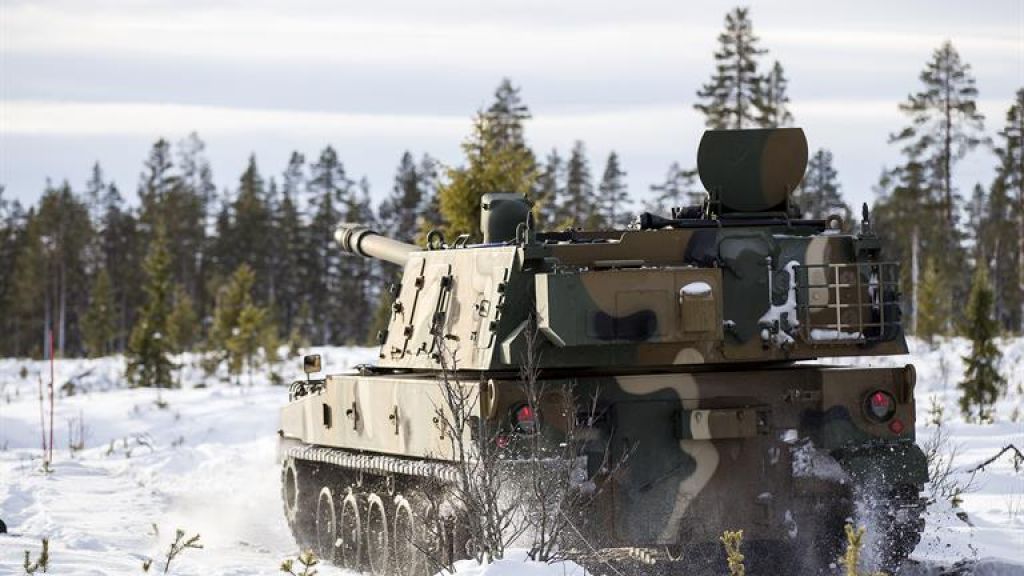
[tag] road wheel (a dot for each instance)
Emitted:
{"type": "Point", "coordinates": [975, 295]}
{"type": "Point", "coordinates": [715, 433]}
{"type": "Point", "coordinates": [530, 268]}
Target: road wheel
{"type": "Point", "coordinates": [378, 545]}
{"type": "Point", "coordinates": [350, 533]}
{"type": "Point", "coordinates": [326, 525]}
{"type": "Point", "coordinates": [297, 494]}
{"type": "Point", "coordinates": [406, 540]}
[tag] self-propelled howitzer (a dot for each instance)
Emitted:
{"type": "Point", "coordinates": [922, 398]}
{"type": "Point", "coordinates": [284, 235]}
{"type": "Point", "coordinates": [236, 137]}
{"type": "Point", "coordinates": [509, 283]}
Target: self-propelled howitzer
{"type": "Point", "coordinates": [687, 328]}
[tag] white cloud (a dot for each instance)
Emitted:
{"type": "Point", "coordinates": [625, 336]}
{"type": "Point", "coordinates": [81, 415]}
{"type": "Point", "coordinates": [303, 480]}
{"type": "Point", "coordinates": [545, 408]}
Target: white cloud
{"type": "Point", "coordinates": [451, 33]}
{"type": "Point", "coordinates": [132, 118]}
{"type": "Point", "coordinates": [139, 118]}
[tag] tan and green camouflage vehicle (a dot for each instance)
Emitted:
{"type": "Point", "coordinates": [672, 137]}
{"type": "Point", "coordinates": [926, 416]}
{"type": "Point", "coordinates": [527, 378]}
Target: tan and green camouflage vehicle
{"type": "Point", "coordinates": [702, 334]}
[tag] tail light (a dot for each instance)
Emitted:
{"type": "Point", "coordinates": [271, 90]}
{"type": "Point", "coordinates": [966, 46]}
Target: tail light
{"type": "Point", "coordinates": [525, 420]}
{"type": "Point", "coordinates": [879, 406]}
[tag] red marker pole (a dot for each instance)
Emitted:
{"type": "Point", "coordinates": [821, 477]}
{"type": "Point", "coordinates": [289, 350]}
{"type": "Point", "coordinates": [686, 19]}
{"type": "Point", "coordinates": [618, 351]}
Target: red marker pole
{"type": "Point", "coordinates": [51, 396]}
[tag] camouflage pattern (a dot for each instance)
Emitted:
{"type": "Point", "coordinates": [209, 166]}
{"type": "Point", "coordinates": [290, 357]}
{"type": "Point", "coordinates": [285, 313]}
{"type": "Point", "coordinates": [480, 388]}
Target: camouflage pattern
{"type": "Point", "coordinates": [778, 289]}
{"type": "Point", "coordinates": [697, 440]}
{"type": "Point", "coordinates": [689, 334]}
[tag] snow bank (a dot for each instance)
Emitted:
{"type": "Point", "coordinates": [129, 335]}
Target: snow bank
{"type": "Point", "coordinates": [205, 464]}
{"type": "Point", "coordinates": [516, 563]}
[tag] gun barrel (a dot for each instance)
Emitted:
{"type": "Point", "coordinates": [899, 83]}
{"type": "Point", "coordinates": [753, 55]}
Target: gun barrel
{"type": "Point", "coordinates": [358, 239]}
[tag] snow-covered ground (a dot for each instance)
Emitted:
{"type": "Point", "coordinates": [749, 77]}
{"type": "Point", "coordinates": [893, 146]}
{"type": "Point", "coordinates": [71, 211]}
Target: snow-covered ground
{"type": "Point", "coordinates": [205, 463]}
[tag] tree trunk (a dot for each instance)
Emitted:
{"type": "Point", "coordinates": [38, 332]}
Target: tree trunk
{"type": "Point", "coordinates": [947, 161]}
{"type": "Point", "coordinates": [914, 269]}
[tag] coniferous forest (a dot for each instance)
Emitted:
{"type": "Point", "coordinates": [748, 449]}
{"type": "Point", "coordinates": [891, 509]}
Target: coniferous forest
{"type": "Point", "coordinates": [238, 266]}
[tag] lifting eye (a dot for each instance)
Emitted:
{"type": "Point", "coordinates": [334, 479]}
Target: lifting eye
{"type": "Point", "coordinates": [879, 406]}
{"type": "Point", "coordinates": [525, 419]}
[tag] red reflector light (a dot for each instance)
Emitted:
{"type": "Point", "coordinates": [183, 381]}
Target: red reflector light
{"type": "Point", "coordinates": [523, 414]}
{"type": "Point", "coordinates": [502, 441]}
{"type": "Point", "coordinates": [524, 418]}
{"type": "Point", "coordinates": [896, 426]}
{"type": "Point", "coordinates": [880, 406]}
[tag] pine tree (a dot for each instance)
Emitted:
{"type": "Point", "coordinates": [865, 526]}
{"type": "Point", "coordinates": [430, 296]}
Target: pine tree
{"type": "Point", "coordinates": [167, 200]}
{"type": "Point", "coordinates": [244, 345]}
{"type": "Point", "coordinates": [944, 126]}
{"type": "Point", "coordinates": [400, 211]}
{"type": "Point", "coordinates": [982, 384]}
{"type": "Point", "coordinates": [182, 324]}
{"type": "Point", "coordinates": [497, 160]}
{"type": "Point", "coordinates": [12, 231]}
{"type": "Point", "coordinates": [580, 208]}
{"type": "Point", "coordinates": [818, 195]}
{"type": "Point", "coordinates": [100, 323]}
{"type": "Point", "coordinates": [548, 191]}
{"type": "Point", "coordinates": [149, 348]}
{"type": "Point", "coordinates": [31, 309]}
{"type": "Point", "coordinates": [241, 328]}
{"type": "Point", "coordinates": [933, 305]}
{"type": "Point", "coordinates": [944, 122]}
{"type": "Point", "coordinates": [774, 112]}
{"type": "Point", "coordinates": [123, 252]}
{"type": "Point", "coordinates": [195, 171]}
{"type": "Point", "coordinates": [976, 220]}
{"type": "Point", "coordinates": [732, 99]}
{"type": "Point", "coordinates": [1010, 183]}
{"type": "Point", "coordinates": [195, 200]}
{"type": "Point", "coordinates": [232, 298]}
{"type": "Point", "coordinates": [430, 206]}
{"type": "Point", "coordinates": [330, 190]}
{"type": "Point", "coordinates": [1000, 245]}
{"type": "Point", "coordinates": [95, 189]}
{"type": "Point", "coordinates": [66, 233]}
{"type": "Point", "coordinates": [293, 180]}
{"type": "Point", "coordinates": [679, 189]}
{"type": "Point", "coordinates": [613, 195]}
{"type": "Point", "coordinates": [155, 185]}
{"type": "Point", "coordinates": [506, 117]}
{"type": "Point", "coordinates": [250, 233]}
{"type": "Point", "coordinates": [899, 215]}
{"type": "Point", "coordinates": [288, 247]}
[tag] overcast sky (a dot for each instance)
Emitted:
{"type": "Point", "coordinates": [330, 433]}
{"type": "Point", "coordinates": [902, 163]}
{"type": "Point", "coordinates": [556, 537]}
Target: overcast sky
{"type": "Point", "coordinates": [82, 81]}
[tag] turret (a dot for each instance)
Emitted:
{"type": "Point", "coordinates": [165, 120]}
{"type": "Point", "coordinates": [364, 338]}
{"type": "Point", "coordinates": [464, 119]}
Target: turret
{"type": "Point", "coordinates": [741, 278]}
